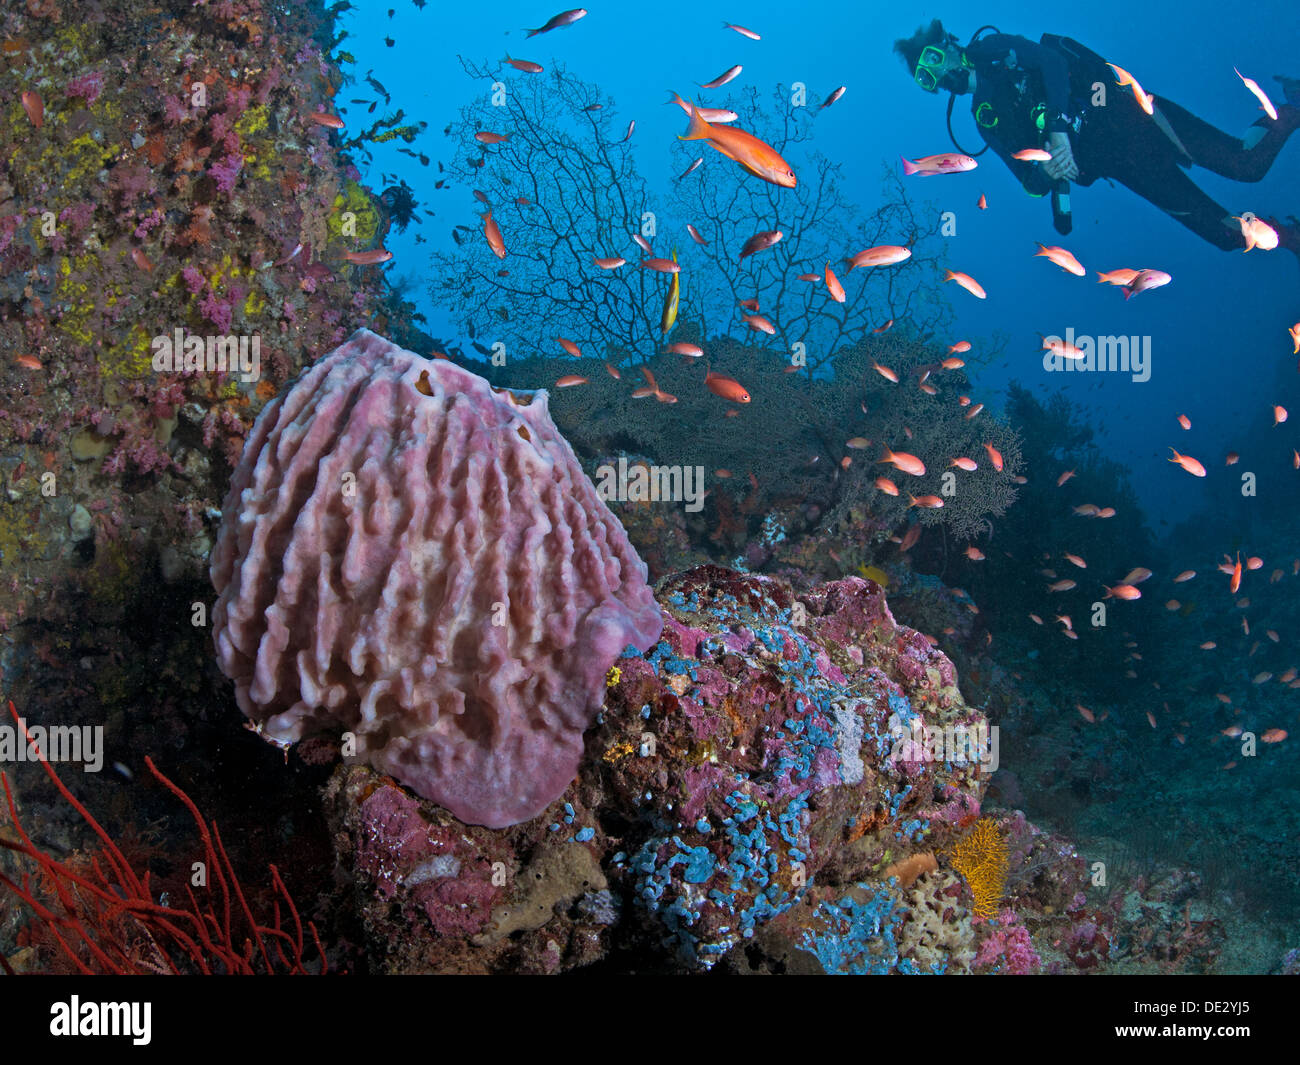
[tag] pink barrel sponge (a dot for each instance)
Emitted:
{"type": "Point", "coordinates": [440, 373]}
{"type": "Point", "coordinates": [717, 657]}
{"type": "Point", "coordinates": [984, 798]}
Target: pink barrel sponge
{"type": "Point", "coordinates": [415, 557]}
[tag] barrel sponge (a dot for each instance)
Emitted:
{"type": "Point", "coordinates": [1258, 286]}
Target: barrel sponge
{"type": "Point", "coordinates": [412, 556]}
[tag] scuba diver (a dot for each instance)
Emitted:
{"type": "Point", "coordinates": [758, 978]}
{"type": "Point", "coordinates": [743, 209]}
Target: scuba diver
{"type": "Point", "coordinates": [1027, 95]}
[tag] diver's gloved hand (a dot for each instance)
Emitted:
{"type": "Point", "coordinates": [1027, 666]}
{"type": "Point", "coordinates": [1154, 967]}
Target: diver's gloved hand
{"type": "Point", "coordinates": [1062, 164]}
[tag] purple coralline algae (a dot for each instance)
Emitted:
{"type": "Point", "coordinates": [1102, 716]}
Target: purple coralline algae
{"type": "Point", "coordinates": [751, 759]}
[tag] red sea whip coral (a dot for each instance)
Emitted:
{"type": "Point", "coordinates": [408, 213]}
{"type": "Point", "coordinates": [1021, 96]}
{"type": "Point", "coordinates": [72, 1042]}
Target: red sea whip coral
{"type": "Point", "coordinates": [414, 557]}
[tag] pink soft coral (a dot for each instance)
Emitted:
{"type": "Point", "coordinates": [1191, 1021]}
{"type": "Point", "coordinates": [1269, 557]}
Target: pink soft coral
{"type": "Point", "coordinates": [1007, 948]}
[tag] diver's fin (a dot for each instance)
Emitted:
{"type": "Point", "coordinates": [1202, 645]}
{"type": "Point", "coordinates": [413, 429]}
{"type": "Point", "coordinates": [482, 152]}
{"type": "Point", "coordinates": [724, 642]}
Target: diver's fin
{"type": "Point", "coordinates": [1290, 88]}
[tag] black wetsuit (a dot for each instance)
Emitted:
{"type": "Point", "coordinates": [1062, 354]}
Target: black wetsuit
{"type": "Point", "coordinates": [1015, 79]}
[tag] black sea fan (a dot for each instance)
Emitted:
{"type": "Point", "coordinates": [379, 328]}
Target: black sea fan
{"type": "Point", "coordinates": [400, 203]}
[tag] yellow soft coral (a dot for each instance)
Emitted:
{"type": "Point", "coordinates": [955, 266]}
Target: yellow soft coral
{"type": "Point", "coordinates": [981, 857]}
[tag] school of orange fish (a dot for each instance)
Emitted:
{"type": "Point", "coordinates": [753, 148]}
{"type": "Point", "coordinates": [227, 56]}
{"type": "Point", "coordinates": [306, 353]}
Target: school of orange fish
{"type": "Point", "coordinates": [714, 127]}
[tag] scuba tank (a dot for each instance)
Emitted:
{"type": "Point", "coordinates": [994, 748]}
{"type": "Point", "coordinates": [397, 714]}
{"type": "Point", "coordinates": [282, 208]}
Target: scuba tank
{"type": "Point", "coordinates": [1088, 66]}
{"type": "Point", "coordinates": [1062, 219]}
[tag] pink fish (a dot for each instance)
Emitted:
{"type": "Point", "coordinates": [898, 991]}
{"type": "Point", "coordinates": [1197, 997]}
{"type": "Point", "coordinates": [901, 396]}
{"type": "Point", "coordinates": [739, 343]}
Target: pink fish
{"type": "Point", "coordinates": [1259, 94]}
{"type": "Point", "coordinates": [946, 163]}
{"type": "Point", "coordinates": [1146, 279]}
{"type": "Point", "coordinates": [760, 242]}
{"type": "Point", "coordinates": [555, 22]}
{"type": "Point", "coordinates": [967, 282]}
{"type": "Point", "coordinates": [1061, 258]}
{"type": "Point", "coordinates": [727, 75]}
{"type": "Point", "coordinates": [881, 255]}
{"type": "Point", "coordinates": [709, 114]}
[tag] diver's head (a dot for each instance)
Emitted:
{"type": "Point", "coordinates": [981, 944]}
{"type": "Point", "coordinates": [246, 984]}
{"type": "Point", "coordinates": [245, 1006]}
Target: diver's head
{"type": "Point", "coordinates": [936, 60]}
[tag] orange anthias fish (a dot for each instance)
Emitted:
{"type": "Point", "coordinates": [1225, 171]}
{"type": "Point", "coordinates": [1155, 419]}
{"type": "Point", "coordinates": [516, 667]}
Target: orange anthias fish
{"type": "Point", "coordinates": [682, 347]}
{"type": "Point", "coordinates": [885, 372]}
{"type": "Point", "coordinates": [725, 387]}
{"type": "Point", "coordinates": [882, 255]}
{"type": "Point", "coordinates": [381, 255]}
{"type": "Point", "coordinates": [905, 462]}
{"type": "Point", "coordinates": [493, 234]}
{"type": "Point", "coordinates": [569, 346]}
{"type": "Point", "coordinates": [653, 389]}
{"type": "Point", "coordinates": [1257, 233]}
{"type": "Point", "coordinates": [995, 456]}
{"type": "Point", "coordinates": [1145, 99]}
{"type": "Point", "coordinates": [755, 157]}
{"type": "Point", "coordinates": [1116, 277]}
{"type": "Point", "coordinates": [884, 484]}
{"type": "Point", "coordinates": [1062, 348]}
{"type": "Point", "coordinates": [1234, 585]}
{"type": "Point", "coordinates": [34, 107]}
{"type": "Point", "coordinates": [1294, 333]}
{"type": "Point", "coordinates": [929, 502]}
{"type": "Point", "coordinates": [967, 282]}
{"type": "Point", "coordinates": [569, 380]}
{"type": "Point", "coordinates": [612, 262]}
{"type": "Point", "coordinates": [1265, 103]}
{"type": "Point", "coordinates": [1061, 258]}
{"type": "Point", "coordinates": [833, 285]}
{"type": "Point", "coordinates": [1122, 591]}
{"type": "Point", "coordinates": [1032, 155]}
{"type": "Point", "coordinates": [1188, 463]}
{"type": "Point", "coordinates": [524, 65]}
{"type": "Point", "coordinates": [323, 118]}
